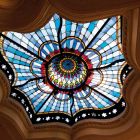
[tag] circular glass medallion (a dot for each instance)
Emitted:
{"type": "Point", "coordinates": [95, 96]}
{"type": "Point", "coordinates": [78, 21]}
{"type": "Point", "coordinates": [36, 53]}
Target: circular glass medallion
{"type": "Point", "coordinates": [67, 64]}
{"type": "Point", "coordinates": [66, 71]}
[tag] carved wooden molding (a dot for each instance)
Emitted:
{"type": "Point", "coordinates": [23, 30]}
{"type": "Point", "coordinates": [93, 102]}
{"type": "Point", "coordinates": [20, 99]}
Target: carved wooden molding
{"type": "Point", "coordinates": [13, 114]}
{"type": "Point", "coordinates": [18, 16]}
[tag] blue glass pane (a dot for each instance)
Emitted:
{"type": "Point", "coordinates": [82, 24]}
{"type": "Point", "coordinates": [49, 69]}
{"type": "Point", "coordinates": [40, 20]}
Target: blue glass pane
{"type": "Point", "coordinates": [66, 67]}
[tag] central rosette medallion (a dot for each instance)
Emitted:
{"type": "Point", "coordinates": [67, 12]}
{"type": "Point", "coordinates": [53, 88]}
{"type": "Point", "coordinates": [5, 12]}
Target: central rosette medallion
{"type": "Point", "coordinates": [66, 71]}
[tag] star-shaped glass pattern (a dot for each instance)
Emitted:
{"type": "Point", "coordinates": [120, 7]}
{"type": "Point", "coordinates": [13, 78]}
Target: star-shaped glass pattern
{"type": "Point", "coordinates": [67, 71]}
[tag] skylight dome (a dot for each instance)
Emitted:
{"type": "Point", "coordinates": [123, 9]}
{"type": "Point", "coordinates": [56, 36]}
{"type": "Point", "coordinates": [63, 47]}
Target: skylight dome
{"type": "Point", "coordinates": [67, 71]}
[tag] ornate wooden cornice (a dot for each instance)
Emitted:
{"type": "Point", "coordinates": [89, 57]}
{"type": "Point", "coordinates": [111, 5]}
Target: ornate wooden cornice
{"type": "Point", "coordinates": [12, 114]}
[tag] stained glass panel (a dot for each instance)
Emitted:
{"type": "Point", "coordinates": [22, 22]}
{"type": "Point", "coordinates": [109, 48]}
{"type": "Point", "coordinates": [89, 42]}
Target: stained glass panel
{"type": "Point", "coordinates": [67, 71]}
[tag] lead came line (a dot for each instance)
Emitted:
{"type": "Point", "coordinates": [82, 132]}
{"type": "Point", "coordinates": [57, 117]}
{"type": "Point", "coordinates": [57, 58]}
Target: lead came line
{"type": "Point", "coordinates": [38, 78]}
{"type": "Point", "coordinates": [72, 98]}
{"type": "Point", "coordinates": [58, 36]}
{"type": "Point", "coordinates": [107, 66]}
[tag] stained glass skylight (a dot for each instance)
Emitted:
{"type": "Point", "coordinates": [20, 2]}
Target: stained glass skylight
{"type": "Point", "coordinates": [67, 71]}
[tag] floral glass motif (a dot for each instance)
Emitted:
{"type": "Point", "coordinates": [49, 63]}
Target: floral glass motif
{"type": "Point", "coordinates": [67, 71]}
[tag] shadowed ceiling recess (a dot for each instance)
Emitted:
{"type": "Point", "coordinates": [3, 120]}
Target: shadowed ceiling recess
{"type": "Point", "coordinates": [67, 71]}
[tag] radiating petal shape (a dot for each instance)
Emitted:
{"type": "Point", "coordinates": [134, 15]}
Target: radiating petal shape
{"type": "Point", "coordinates": [48, 50]}
{"type": "Point", "coordinates": [29, 41]}
{"type": "Point", "coordinates": [84, 31]}
{"type": "Point", "coordinates": [95, 78]}
{"type": "Point", "coordinates": [108, 42]}
{"type": "Point", "coordinates": [36, 67]}
{"type": "Point", "coordinates": [34, 95]}
{"type": "Point", "coordinates": [20, 61]}
{"type": "Point", "coordinates": [50, 30]}
{"type": "Point", "coordinates": [62, 96]}
{"type": "Point", "coordinates": [73, 44]}
{"type": "Point", "coordinates": [111, 84]}
{"type": "Point", "coordinates": [92, 58]}
{"type": "Point", "coordinates": [82, 93]}
{"type": "Point", "coordinates": [93, 101]}
{"type": "Point", "coordinates": [33, 40]}
{"type": "Point", "coordinates": [57, 105]}
{"type": "Point", "coordinates": [44, 86]}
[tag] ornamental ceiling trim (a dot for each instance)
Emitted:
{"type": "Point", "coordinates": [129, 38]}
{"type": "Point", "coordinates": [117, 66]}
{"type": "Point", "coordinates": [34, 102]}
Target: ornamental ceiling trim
{"type": "Point", "coordinates": [28, 125]}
